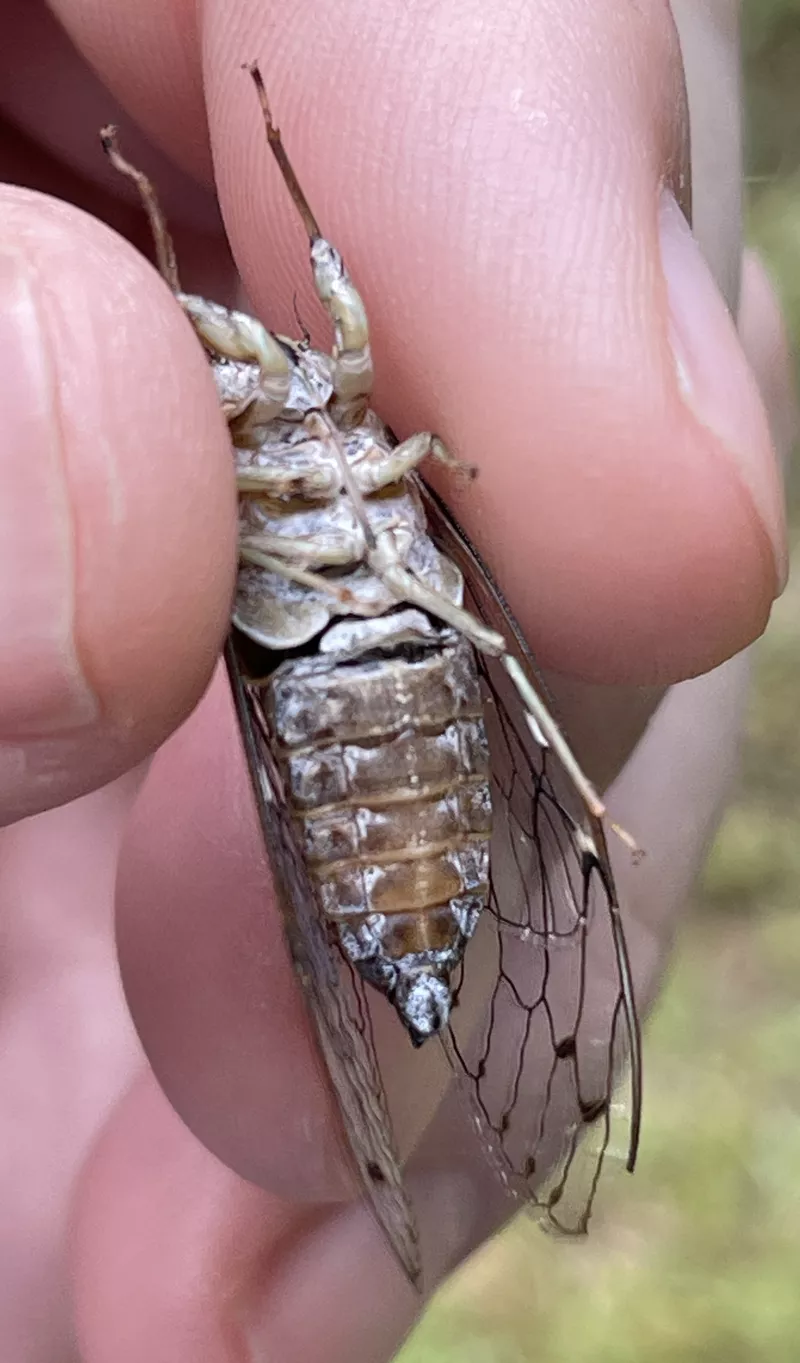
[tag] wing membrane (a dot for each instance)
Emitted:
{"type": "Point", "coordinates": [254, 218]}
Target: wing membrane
{"type": "Point", "coordinates": [341, 1022]}
{"type": "Point", "coordinates": [548, 1025]}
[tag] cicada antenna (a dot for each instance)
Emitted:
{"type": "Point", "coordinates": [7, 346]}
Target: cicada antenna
{"type": "Point", "coordinates": [279, 152]}
{"type": "Point", "coordinates": [165, 251]}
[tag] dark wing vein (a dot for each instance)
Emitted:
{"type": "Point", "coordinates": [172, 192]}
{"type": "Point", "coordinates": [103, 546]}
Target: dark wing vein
{"type": "Point", "coordinates": [560, 1020]}
{"type": "Point", "coordinates": [343, 1032]}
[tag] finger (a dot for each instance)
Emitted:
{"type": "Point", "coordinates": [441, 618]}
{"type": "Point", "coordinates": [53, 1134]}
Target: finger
{"type": "Point", "coordinates": [201, 953]}
{"type": "Point", "coordinates": [533, 291]}
{"type": "Point", "coordinates": [67, 1047]}
{"type": "Point", "coordinates": [536, 296]}
{"type": "Point", "coordinates": [118, 540]}
{"type": "Point", "coordinates": [173, 1256]}
{"type": "Point", "coordinates": [208, 980]}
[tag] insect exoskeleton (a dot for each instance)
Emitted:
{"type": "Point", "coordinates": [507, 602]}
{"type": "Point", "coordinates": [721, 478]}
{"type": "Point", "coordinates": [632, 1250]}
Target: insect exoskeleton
{"type": "Point", "coordinates": [382, 747]}
{"type": "Point", "coordinates": [375, 720]}
{"type": "Point", "coordinates": [410, 778]}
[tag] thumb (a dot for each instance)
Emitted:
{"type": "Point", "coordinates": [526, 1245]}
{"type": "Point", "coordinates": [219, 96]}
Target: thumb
{"type": "Point", "coordinates": [118, 524]}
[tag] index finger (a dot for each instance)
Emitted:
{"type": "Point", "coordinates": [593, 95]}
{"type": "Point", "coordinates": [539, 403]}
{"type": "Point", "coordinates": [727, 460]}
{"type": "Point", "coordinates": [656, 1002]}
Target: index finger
{"type": "Point", "coordinates": [505, 199]}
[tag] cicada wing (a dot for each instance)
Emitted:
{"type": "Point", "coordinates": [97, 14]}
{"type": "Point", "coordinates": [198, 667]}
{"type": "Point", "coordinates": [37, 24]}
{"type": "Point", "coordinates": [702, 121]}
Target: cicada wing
{"type": "Point", "coordinates": [542, 1048]}
{"type": "Point", "coordinates": [342, 1026]}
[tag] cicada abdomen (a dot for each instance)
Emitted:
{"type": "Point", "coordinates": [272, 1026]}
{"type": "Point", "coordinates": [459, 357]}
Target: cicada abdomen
{"type": "Point", "coordinates": [381, 744]}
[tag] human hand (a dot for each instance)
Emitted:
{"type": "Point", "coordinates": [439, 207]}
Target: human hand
{"type": "Point", "coordinates": [494, 186]}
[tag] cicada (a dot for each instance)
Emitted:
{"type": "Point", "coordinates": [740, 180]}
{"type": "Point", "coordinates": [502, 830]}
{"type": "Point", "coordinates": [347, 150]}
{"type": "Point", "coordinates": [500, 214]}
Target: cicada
{"type": "Point", "coordinates": [412, 784]}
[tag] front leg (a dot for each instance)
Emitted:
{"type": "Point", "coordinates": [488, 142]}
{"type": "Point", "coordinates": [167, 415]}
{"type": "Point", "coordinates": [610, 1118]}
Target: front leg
{"type": "Point", "coordinates": [232, 335]}
{"type": "Point", "coordinates": [353, 373]}
{"type": "Point", "coordinates": [226, 333]}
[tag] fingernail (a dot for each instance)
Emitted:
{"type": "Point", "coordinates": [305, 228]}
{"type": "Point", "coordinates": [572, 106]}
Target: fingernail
{"type": "Point", "coordinates": [715, 381]}
{"type": "Point", "coordinates": [42, 690]}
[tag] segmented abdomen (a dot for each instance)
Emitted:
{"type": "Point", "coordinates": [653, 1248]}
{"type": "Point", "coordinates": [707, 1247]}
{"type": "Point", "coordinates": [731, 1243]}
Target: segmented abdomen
{"type": "Point", "coordinates": [386, 765]}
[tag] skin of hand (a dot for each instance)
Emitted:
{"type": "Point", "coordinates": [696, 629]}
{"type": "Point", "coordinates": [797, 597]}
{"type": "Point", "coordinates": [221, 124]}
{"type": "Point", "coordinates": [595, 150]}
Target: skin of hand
{"type": "Point", "coordinates": [503, 189]}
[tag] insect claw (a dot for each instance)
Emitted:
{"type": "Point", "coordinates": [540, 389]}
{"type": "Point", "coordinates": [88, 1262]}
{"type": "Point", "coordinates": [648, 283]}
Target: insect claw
{"type": "Point", "coordinates": [108, 138]}
{"type": "Point", "coordinates": [439, 451]}
{"type": "Point", "coordinates": [638, 853]}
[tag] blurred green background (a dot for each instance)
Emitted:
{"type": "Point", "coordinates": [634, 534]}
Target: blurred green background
{"type": "Point", "coordinates": [698, 1256]}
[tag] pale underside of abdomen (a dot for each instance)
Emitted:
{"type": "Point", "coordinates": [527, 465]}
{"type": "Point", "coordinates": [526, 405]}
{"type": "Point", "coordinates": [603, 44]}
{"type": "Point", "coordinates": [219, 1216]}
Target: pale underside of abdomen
{"type": "Point", "coordinates": [386, 767]}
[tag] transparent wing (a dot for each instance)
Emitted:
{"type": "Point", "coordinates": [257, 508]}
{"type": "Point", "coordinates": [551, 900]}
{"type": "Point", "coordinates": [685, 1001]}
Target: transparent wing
{"type": "Point", "coordinates": [340, 1017]}
{"type": "Point", "coordinates": [546, 1016]}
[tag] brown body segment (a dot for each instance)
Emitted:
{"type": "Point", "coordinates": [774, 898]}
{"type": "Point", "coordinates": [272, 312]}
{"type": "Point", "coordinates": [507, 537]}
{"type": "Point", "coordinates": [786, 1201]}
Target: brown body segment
{"type": "Point", "coordinates": [372, 706]}
{"type": "Point", "coordinates": [386, 767]}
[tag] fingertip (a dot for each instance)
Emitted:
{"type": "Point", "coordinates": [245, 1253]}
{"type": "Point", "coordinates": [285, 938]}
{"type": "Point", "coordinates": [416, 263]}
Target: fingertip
{"type": "Point", "coordinates": [158, 1232]}
{"type": "Point", "coordinates": [514, 276]}
{"type": "Point", "coordinates": [174, 1256]}
{"type": "Point", "coordinates": [206, 972]}
{"type": "Point", "coordinates": [121, 544]}
{"type": "Point", "coordinates": [209, 979]}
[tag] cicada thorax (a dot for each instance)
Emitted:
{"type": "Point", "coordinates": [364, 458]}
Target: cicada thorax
{"type": "Point", "coordinates": [375, 719]}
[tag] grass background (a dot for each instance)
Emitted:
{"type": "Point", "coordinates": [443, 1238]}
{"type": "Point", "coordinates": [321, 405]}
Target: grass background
{"type": "Point", "coordinates": [698, 1257]}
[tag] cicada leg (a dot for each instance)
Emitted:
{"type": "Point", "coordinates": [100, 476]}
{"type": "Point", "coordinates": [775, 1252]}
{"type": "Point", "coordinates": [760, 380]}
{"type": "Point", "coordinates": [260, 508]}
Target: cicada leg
{"type": "Point", "coordinates": [224, 331]}
{"type": "Point", "coordinates": [162, 240]}
{"type": "Point", "coordinates": [235, 336]}
{"type": "Point", "coordinates": [296, 572]}
{"type": "Point", "coordinates": [353, 372]}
